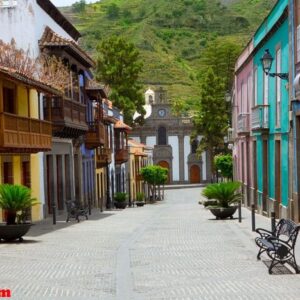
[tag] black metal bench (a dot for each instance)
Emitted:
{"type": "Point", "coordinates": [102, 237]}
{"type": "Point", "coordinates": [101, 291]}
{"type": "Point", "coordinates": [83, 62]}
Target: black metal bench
{"type": "Point", "coordinates": [279, 244]}
{"type": "Point", "coordinates": [75, 211]}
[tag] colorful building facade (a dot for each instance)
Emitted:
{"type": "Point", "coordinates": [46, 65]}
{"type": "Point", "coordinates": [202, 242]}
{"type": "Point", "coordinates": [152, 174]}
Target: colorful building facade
{"type": "Point", "coordinates": [262, 155]}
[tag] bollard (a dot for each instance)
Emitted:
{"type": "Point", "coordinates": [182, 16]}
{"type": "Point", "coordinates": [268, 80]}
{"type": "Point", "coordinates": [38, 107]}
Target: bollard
{"type": "Point", "coordinates": [253, 216]}
{"type": "Point", "coordinates": [273, 221]}
{"type": "Point", "coordinates": [240, 212]}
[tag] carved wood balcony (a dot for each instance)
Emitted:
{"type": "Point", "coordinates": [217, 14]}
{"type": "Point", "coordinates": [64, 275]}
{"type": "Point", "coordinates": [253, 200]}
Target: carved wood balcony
{"type": "Point", "coordinates": [243, 124]}
{"type": "Point", "coordinates": [260, 118]}
{"type": "Point", "coordinates": [68, 118]}
{"type": "Point", "coordinates": [96, 135]}
{"type": "Point", "coordinates": [103, 157]}
{"type": "Point", "coordinates": [24, 135]}
{"type": "Point", "coordinates": [121, 156]}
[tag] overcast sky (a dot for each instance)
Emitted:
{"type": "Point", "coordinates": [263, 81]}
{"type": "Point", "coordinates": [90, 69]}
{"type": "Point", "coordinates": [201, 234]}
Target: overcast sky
{"type": "Point", "coordinates": [69, 2]}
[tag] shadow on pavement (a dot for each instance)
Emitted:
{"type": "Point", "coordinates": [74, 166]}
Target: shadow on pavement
{"type": "Point", "coordinates": [279, 269]}
{"type": "Point", "coordinates": [45, 226]}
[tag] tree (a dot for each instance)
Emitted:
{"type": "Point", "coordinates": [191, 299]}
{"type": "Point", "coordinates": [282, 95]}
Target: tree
{"type": "Point", "coordinates": [79, 6]}
{"type": "Point", "coordinates": [113, 11]}
{"type": "Point", "coordinates": [179, 107]}
{"type": "Point", "coordinates": [155, 176]}
{"type": "Point", "coordinates": [119, 66]}
{"type": "Point", "coordinates": [224, 163]}
{"type": "Point", "coordinates": [47, 69]}
{"type": "Point", "coordinates": [211, 119]}
{"type": "Point", "coordinates": [221, 55]}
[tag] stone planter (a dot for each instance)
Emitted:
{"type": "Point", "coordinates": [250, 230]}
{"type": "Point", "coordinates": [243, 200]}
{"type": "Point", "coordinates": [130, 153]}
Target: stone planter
{"type": "Point", "coordinates": [223, 213]}
{"type": "Point", "coordinates": [140, 203]}
{"type": "Point", "coordinates": [120, 205]}
{"type": "Point", "coordinates": [13, 232]}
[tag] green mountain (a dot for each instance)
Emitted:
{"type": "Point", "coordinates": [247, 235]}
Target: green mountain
{"type": "Point", "coordinates": [171, 34]}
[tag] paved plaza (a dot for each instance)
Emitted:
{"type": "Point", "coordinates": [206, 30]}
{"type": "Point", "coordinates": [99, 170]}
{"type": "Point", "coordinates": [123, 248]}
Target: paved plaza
{"type": "Point", "coordinates": [173, 249]}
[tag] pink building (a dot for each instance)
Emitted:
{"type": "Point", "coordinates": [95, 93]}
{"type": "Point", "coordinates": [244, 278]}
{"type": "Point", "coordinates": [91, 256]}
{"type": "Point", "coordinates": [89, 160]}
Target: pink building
{"type": "Point", "coordinates": [242, 104]}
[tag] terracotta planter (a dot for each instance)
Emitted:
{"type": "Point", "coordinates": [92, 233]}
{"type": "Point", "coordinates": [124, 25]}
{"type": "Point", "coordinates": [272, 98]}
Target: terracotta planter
{"type": "Point", "coordinates": [223, 213]}
{"type": "Point", "coordinates": [140, 203]}
{"type": "Point", "coordinates": [120, 205]}
{"type": "Point", "coordinates": [13, 232]}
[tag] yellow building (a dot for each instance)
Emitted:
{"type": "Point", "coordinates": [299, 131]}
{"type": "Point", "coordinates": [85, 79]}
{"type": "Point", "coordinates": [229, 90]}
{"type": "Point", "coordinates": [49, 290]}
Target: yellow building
{"type": "Point", "coordinates": [140, 156]}
{"type": "Point", "coordinates": [24, 136]}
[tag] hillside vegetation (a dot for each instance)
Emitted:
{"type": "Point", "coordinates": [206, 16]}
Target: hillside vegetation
{"type": "Point", "coordinates": [171, 34]}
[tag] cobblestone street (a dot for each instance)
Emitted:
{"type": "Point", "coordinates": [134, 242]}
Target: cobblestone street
{"type": "Point", "coordinates": [170, 250]}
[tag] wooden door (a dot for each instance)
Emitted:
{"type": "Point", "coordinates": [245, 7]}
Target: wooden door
{"type": "Point", "coordinates": [195, 176]}
{"type": "Point", "coordinates": [165, 164]}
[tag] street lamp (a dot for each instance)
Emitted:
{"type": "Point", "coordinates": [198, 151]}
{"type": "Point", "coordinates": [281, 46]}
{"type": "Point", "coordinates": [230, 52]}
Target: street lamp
{"type": "Point", "coordinates": [266, 62]}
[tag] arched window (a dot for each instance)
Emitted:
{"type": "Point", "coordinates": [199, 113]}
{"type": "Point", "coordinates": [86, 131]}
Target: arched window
{"type": "Point", "coordinates": [195, 144]}
{"type": "Point", "coordinates": [162, 136]}
{"type": "Point", "coordinates": [150, 99]}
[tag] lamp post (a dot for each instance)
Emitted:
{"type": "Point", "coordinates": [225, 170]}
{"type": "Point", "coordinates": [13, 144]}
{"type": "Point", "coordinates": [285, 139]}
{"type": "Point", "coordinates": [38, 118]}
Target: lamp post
{"type": "Point", "coordinates": [266, 62]}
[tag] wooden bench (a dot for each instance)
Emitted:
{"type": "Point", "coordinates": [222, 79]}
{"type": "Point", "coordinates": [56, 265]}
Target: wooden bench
{"type": "Point", "coordinates": [75, 211]}
{"type": "Point", "coordinates": [279, 244]}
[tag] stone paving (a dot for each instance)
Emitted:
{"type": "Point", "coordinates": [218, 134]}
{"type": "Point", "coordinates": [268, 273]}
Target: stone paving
{"type": "Point", "coordinates": [170, 250]}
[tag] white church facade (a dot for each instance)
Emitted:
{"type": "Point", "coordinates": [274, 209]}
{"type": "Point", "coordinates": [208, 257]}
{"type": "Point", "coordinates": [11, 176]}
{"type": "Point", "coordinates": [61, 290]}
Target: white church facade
{"type": "Point", "coordinates": [169, 136]}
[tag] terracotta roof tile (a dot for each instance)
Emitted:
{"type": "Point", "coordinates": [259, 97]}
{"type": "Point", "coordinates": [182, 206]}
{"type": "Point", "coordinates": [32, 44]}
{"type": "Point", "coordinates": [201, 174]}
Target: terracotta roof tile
{"type": "Point", "coordinates": [122, 125]}
{"type": "Point", "coordinates": [52, 39]}
{"type": "Point", "coordinates": [25, 79]}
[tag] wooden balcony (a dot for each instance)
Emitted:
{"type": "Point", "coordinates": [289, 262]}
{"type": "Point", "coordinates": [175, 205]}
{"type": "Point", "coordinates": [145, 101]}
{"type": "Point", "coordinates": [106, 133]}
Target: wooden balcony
{"type": "Point", "coordinates": [121, 156]}
{"type": "Point", "coordinates": [68, 118]}
{"type": "Point", "coordinates": [260, 118]}
{"type": "Point", "coordinates": [243, 124]}
{"type": "Point", "coordinates": [24, 135]}
{"type": "Point", "coordinates": [96, 135]}
{"type": "Point", "coordinates": [103, 157]}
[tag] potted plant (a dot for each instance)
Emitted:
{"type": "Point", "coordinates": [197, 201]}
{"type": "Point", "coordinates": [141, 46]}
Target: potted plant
{"type": "Point", "coordinates": [140, 199]}
{"type": "Point", "coordinates": [225, 195]}
{"type": "Point", "coordinates": [14, 200]}
{"type": "Point", "coordinates": [120, 200]}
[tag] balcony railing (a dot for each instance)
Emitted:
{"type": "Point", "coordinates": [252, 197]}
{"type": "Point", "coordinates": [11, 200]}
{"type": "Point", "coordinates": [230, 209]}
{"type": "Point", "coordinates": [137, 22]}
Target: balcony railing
{"type": "Point", "coordinates": [68, 117]}
{"type": "Point", "coordinates": [260, 117]}
{"type": "Point", "coordinates": [103, 157]}
{"type": "Point", "coordinates": [24, 135]}
{"type": "Point", "coordinates": [243, 124]}
{"type": "Point", "coordinates": [121, 156]}
{"type": "Point", "coordinates": [96, 135]}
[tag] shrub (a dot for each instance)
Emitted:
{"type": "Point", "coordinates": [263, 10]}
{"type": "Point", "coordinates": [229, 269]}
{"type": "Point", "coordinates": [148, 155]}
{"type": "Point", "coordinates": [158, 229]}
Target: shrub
{"type": "Point", "coordinates": [224, 163]}
{"type": "Point", "coordinates": [225, 193]}
{"type": "Point", "coordinates": [120, 197]}
{"type": "Point", "coordinates": [14, 199]}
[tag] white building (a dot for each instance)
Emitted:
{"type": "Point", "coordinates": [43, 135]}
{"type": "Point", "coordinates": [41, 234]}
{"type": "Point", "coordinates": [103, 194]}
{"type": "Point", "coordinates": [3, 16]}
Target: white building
{"type": "Point", "coordinates": [170, 137]}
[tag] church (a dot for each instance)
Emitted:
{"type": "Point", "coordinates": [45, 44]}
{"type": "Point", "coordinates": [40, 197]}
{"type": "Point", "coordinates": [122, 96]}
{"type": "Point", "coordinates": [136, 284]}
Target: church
{"type": "Point", "coordinates": [169, 136]}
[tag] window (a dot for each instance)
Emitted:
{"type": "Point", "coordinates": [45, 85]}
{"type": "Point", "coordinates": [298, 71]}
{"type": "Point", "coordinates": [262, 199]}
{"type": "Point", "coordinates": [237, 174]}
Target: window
{"type": "Point", "coordinates": [278, 87]}
{"type": "Point", "coordinates": [249, 91]}
{"type": "Point", "coordinates": [8, 173]}
{"type": "Point", "coordinates": [9, 101]}
{"type": "Point", "coordinates": [298, 44]}
{"type": "Point", "coordinates": [162, 136]}
{"type": "Point", "coordinates": [194, 146]}
{"type": "Point", "coordinates": [255, 87]}
{"type": "Point", "coordinates": [266, 89]}
{"type": "Point", "coordinates": [241, 98]}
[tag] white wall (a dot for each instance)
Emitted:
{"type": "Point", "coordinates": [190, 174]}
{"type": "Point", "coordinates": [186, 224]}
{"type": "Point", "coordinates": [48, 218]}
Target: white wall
{"type": "Point", "coordinates": [187, 151]}
{"type": "Point", "coordinates": [26, 23]}
{"type": "Point", "coordinates": [151, 141]}
{"type": "Point", "coordinates": [174, 142]}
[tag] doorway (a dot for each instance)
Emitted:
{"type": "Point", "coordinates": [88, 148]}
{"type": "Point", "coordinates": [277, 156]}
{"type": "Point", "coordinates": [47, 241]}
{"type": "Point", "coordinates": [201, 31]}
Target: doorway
{"type": "Point", "coordinates": [195, 174]}
{"type": "Point", "coordinates": [165, 164]}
